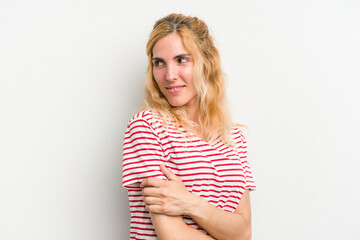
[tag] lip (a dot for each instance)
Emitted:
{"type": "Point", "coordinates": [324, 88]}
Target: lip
{"type": "Point", "coordinates": [175, 89]}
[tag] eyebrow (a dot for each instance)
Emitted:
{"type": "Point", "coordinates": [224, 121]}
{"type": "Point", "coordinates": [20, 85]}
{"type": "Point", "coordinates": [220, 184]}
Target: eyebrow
{"type": "Point", "coordinates": [177, 56]}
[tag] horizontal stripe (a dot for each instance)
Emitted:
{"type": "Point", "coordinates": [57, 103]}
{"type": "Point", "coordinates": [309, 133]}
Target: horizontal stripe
{"type": "Point", "coordinates": [216, 172]}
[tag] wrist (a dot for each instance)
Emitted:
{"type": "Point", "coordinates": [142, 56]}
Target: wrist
{"type": "Point", "coordinates": [192, 204]}
{"type": "Point", "coordinates": [197, 207]}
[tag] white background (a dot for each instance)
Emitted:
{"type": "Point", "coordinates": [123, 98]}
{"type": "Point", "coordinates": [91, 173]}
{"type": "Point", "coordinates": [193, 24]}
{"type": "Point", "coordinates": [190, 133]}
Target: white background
{"type": "Point", "coordinates": [72, 74]}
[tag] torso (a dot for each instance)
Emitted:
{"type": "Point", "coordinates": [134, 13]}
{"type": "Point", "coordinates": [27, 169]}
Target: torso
{"type": "Point", "coordinates": [216, 172]}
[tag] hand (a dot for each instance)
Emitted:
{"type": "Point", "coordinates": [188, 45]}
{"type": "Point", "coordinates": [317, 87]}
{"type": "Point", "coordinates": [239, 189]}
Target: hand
{"type": "Point", "coordinates": [169, 197]}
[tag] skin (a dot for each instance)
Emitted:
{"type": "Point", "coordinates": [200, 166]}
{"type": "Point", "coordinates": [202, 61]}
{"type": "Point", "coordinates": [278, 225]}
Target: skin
{"type": "Point", "coordinates": [168, 200]}
{"type": "Point", "coordinates": [173, 67]}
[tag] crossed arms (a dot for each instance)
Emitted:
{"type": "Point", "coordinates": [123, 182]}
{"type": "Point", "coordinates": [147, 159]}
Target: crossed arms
{"type": "Point", "coordinates": [168, 200]}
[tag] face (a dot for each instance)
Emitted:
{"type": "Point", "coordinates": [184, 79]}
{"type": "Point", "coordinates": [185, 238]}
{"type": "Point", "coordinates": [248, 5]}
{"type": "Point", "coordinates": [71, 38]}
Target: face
{"type": "Point", "coordinates": [173, 71]}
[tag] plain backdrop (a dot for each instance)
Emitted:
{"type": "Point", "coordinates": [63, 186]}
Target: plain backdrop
{"type": "Point", "coordinates": [71, 76]}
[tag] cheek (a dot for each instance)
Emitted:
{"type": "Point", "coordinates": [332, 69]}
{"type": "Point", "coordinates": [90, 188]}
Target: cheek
{"type": "Point", "coordinates": [187, 74]}
{"type": "Point", "coordinates": [158, 75]}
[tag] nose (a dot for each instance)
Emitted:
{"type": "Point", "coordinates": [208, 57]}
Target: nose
{"type": "Point", "coordinates": [171, 72]}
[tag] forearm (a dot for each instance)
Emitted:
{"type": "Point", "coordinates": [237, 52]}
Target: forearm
{"type": "Point", "coordinates": [220, 224]}
{"type": "Point", "coordinates": [174, 228]}
{"type": "Point", "coordinates": [171, 198]}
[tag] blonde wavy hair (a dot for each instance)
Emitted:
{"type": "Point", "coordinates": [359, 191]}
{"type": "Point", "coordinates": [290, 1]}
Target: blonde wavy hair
{"type": "Point", "coordinates": [213, 119]}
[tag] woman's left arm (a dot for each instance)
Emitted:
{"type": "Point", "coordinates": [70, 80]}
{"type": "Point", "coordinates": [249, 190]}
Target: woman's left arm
{"type": "Point", "coordinates": [223, 225]}
{"type": "Point", "coordinates": [173, 199]}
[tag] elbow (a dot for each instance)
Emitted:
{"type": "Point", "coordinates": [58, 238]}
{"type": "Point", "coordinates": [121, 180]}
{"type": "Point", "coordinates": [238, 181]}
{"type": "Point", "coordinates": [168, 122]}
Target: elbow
{"type": "Point", "coordinates": [245, 235]}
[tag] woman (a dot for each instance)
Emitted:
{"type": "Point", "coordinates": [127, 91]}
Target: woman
{"type": "Point", "coordinates": [184, 161]}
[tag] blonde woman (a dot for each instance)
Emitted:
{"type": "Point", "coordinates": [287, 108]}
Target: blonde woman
{"type": "Point", "coordinates": [184, 161]}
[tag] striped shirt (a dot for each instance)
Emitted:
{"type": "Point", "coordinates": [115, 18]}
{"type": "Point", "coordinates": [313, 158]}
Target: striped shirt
{"type": "Point", "coordinates": [216, 172]}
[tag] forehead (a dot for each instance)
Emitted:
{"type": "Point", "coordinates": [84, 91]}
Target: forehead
{"type": "Point", "coordinates": [170, 45]}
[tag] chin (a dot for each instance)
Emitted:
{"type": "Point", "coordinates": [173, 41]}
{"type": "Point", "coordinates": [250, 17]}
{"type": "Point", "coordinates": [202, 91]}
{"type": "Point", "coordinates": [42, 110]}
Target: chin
{"type": "Point", "coordinates": [176, 104]}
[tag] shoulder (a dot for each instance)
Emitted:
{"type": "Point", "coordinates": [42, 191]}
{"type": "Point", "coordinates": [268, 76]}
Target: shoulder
{"type": "Point", "coordinates": [146, 118]}
{"type": "Point", "coordinates": [143, 115]}
{"type": "Point", "coordinates": [238, 134]}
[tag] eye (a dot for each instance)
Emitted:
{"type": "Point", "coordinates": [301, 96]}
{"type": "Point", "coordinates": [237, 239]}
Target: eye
{"type": "Point", "coordinates": [158, 63]}
{"type": "Point", "coordinates": [182, 60]}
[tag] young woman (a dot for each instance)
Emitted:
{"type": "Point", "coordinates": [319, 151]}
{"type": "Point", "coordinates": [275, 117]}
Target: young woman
{"type": "Point", "coordinates": [184, 161]}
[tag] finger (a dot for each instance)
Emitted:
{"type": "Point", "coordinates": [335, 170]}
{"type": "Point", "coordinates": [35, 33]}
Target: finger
{"type": "Point", "coordinates": [152, 192]}
{"type": "Point", "coordinates": [169, 174]}
{"type": "Point", "coordinates": [152, 182]}
{"type": "Point", "coordinates": [156, 209]}
{"type": "Point", "coordinates": [153, 201]}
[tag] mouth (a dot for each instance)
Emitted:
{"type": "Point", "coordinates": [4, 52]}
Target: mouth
{"type": "Point", "coordinates": [175, 89]}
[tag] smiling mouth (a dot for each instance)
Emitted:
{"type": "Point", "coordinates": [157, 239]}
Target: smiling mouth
{"type": "Point", "coordinates": [175, 89]}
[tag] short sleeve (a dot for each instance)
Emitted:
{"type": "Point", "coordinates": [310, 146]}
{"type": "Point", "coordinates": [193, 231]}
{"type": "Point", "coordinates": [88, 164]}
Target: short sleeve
{"type": "Point", "coordinates": [241, 145]}
{"type": "Point", "coordinates": [142, 152]}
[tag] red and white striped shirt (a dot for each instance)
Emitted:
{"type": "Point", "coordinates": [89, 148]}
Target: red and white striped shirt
{"type": "Point", "coordinates": [216, 172]}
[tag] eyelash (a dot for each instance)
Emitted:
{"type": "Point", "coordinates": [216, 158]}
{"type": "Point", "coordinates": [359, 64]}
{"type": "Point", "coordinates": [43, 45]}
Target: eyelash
{"type": "Point", "coordinates": [181, 60]}
{"type": "Point", "coordinates": [158, 63]}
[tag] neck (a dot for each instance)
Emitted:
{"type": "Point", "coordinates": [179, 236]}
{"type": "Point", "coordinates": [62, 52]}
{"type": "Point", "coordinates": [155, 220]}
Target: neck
{"type": "Point", "coordinates": [192, 114]}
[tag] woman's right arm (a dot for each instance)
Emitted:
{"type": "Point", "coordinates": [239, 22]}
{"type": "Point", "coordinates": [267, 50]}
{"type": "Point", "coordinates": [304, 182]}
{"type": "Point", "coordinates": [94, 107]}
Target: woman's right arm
{"type": "Point", "coordinates": [142, 155]}
{"type": "Point", "coordinates": [174, 228]}
{"type": "Point", "coordinates": [171, 198]}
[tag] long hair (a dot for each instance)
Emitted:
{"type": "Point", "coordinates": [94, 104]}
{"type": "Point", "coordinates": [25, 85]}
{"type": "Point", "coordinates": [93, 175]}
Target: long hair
{"type": "Point", "coordinates": [213, 119]}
